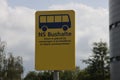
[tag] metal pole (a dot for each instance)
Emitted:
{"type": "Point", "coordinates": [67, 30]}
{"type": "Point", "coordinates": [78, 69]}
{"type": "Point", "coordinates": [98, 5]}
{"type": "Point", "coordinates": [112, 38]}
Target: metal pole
{"type": "Point", "coordinates": [56, 75]}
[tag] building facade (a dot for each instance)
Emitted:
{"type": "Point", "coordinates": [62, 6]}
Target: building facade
{"type": "Point", "coordinates": [114, 27]}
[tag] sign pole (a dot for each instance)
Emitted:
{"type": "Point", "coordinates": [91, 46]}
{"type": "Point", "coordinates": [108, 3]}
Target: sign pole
{"type": "Point", "coordinates": [56, 75]}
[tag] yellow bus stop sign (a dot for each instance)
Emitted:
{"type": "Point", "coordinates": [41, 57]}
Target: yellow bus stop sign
{"type": "Point", "coordinates": [55, 40]}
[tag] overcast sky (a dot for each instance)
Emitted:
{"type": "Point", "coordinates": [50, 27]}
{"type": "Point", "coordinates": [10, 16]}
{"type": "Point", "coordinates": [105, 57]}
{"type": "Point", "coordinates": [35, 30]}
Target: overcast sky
{"type": "Point", "coordinates": [17, 25]}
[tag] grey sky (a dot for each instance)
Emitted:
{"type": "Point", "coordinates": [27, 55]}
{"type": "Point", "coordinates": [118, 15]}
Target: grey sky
{"type": "Point", "coordinates": [44, 4]}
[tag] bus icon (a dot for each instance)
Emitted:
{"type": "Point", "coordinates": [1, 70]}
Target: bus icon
{"type": "Point", "coordinates": [54, 21]}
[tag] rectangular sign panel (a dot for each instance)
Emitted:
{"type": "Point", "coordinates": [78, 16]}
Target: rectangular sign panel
{"type": "Point", "coordinates": [55, 40]}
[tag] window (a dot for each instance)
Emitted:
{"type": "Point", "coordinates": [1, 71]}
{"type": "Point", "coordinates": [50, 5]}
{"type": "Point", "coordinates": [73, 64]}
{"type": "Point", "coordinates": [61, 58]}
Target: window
{"type": "Point", "coordinates": [57, 18]}
{"type": "Point", "coordinates": [118, 24]}
{"type": "Point", "coordinates": [118, 58]}
{"type": "Point", "coordinates": [113, 26]}
{"type": "Point", "coordinates": [112, 59]}
{"type": "Point", "coordinates": [42, 19]}
{"type": "Point", "coordinates": [65, 19]}
{"type": "Point", "coordinates": [50, 19]}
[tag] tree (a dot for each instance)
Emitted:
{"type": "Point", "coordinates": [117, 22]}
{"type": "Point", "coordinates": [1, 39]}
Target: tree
{"type": "Point", "coordinates": [70, 75]}
{"type": "Point", "coordinates": [14, 67]}
{"type": "Point", "coordinates": [32, 75]}
{"type": "Point", "coordinates": [98, 67]}
{"type": "Point", "coordinates": [46, 75]}
{"type": "Point", "coordinates": [11, 68]}
{"type": "Point", "coordinates": [83, 75]}
{"type": "Point", "coordinates": [42, 75]}
{"type": "Point", "coordinates": [66, 75]}
{"type": "Point", "coordinates": [2, 58]}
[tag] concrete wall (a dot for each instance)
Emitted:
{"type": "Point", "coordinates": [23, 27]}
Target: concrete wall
{"type": "Point", "coordinates": [114, 19]}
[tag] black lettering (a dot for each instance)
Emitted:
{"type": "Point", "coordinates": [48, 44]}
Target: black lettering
{"type": "Point", "coordinates": [41, 34]}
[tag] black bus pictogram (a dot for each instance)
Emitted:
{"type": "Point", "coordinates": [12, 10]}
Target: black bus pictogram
{"type": "Point", "coordinates": [54, 21]}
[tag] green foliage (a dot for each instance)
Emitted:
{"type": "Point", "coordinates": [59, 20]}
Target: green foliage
{"type": "Point", "coordinates": [66, 75]}
{"type": "Point", "coordinates": [46, 75]}
{"type": "Point", "coordinates": [14, 67]}
{"type": "Point", "coordinates": [11, 68]}
{"type": "Point", "coordinates": [98, 63]}
{"type": "Point", "coordinates": [83, 75]}
{"type": "Point", "coordinates": [32, 75]}
{"type": "Point", "coordinates": [69, 75]}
